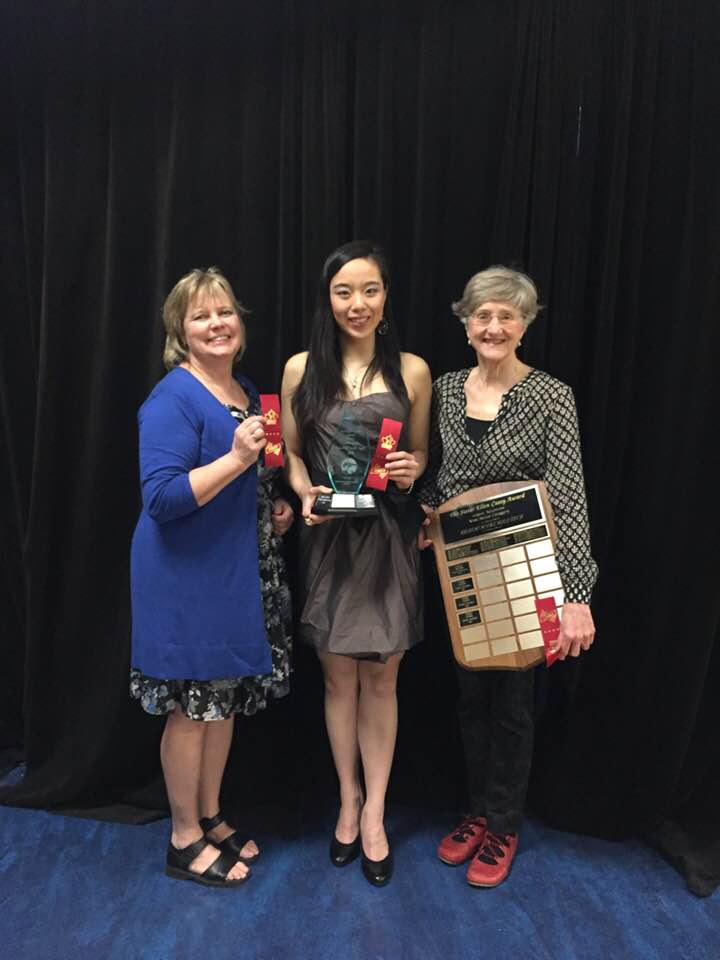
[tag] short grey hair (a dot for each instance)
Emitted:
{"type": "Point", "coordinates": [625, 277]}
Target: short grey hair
{"type": "Point", "coordinates": [187, 288]}
{"type": "Point", "coordinates": [501, 284]}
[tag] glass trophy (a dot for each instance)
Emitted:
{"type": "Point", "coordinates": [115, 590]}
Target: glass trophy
{"type": "Point", "coordinates": [348, 460]}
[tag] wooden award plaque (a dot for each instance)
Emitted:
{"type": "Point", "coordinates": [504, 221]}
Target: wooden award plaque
{"type": "Point", "coordinates": [495, 554]}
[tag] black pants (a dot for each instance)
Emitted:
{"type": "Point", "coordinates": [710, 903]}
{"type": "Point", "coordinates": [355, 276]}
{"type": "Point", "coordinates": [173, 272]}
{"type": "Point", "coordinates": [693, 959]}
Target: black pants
{"type": "Point", "coordinates": [496, 713]}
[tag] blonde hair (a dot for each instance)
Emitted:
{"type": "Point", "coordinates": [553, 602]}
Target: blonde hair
{"type": "Point", "coordinates": [197, 282]}
{"type": "Point", "coordinates": [500, 284]}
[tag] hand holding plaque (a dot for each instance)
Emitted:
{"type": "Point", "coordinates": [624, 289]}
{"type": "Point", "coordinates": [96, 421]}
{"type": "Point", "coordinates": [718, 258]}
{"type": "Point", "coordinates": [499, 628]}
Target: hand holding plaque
{"type": "Point", "coordinates": [495, 553]}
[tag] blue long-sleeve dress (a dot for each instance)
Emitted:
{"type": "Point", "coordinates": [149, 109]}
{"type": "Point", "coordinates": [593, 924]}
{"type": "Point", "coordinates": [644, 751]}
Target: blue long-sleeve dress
{"type": "Point", "coordinates": [210, 607]}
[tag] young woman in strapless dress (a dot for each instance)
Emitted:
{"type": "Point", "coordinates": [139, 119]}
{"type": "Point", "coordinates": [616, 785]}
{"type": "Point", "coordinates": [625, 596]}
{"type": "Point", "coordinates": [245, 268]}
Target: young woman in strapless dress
{"type": "Point", "coordinates": [360, 575]}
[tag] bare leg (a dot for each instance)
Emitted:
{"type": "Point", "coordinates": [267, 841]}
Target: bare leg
{"type": "Point", "coordinates": [377, 730]}
{"type": "Point", "coordinates": [218, 737]}
{"type": "Point", "coordinates": [341, 713]}
{"type": "Point", "coordinates": [181, 751]}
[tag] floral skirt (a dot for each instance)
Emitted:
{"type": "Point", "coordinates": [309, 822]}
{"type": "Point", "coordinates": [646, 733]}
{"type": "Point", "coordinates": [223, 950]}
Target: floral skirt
{"type": "Point", "coordinates": [216, 699]}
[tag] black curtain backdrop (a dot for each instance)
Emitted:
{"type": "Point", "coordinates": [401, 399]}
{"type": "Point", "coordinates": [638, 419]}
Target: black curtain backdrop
{"type": "Point", "coordinates": [575, 139]}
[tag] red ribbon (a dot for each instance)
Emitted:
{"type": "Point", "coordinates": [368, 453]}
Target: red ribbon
{"type": "Point", "coordinates": [270, 404]}
{"type": "Point", "coordinates": [377, 478]}
{"type": "Point", "coordinates": [549, 618]}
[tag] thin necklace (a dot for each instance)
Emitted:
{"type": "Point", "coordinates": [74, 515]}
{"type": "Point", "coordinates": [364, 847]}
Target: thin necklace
{"type": "Point", "coordinates": [356, 379]}
{"type": "Point", "coordinates": [210, 385]}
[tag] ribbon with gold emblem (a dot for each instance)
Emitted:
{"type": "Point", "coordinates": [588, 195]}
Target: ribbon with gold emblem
{"type": "Point", "coordinates": [378, 476]}
{"type": "Point", "coordinates": [270, 405]}
{"type": "Point", "coordinates": [549, 618]}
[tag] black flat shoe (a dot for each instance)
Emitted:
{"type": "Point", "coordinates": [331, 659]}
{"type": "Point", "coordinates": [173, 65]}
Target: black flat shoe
{"type": "Point", "coordinates": [341, 854]}
{"type": "Point", "coordinates": [177, 865]}
{"type": "Point", "coordinates": [232, 844]}
{"type": "Point", "coordinates": [377, 872]}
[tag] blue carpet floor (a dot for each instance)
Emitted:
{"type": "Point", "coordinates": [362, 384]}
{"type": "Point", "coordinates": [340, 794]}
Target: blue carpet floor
{"type": "Point", "coordinates": [73, 888]}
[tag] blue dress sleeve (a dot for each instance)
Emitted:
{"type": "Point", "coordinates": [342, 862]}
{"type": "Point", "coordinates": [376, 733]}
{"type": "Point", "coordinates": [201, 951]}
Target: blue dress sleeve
{"type": "Point", "coordinates": [169, 450]}
{"type": "Point", "coordinates": [249, 388]}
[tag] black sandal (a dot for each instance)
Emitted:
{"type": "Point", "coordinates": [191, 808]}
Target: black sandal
{"type": "Point", "coordinates": [232, 844]}
{"type": "Point", "coordinates": [177, 865]}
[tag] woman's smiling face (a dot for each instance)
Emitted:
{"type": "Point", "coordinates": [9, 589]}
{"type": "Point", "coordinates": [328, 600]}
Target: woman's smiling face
{"type": "Point", "coordinates": [212, 328]}
{"type": "Point", "coordinates": [357, 298]}
{"type": "Point", "coordinates": [495, 329]}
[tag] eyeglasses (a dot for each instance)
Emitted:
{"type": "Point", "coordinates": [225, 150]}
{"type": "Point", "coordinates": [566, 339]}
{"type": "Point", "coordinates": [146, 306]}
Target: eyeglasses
{"type": "Point", "coordinates": [504, 317]}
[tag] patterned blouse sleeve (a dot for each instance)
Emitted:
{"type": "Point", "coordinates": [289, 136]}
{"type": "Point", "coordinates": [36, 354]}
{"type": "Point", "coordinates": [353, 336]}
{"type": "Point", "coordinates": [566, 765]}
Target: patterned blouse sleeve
{"type": "Point", "coordinates": [428, 492]}
{"type": "Point", "coordinates": [566, 488]}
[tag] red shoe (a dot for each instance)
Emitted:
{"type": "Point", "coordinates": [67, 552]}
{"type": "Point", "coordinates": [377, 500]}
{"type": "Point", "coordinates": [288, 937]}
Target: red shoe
{"type": "Point", "coordinates": [462, 842]}
{"type": "Point", "coordinates": [493, 860]}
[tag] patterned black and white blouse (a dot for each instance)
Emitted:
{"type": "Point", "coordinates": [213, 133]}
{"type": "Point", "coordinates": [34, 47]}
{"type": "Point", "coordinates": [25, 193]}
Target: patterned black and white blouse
{"type": "Point", "coordinates": [533, 437]}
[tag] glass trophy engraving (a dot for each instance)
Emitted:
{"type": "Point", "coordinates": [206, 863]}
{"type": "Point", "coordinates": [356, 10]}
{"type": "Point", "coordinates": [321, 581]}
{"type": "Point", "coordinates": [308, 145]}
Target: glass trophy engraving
{"type": "Point", "coordinates": [348, 459]}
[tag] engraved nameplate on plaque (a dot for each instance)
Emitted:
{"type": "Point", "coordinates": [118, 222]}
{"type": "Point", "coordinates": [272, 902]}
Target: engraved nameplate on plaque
{"type": "Point", "coordinates": [495, 553]}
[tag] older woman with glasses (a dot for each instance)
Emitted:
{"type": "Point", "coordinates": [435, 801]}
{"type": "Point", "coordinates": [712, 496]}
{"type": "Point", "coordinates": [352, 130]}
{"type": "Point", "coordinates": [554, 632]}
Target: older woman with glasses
{"type": "Point", "coordinates": [502, 420]}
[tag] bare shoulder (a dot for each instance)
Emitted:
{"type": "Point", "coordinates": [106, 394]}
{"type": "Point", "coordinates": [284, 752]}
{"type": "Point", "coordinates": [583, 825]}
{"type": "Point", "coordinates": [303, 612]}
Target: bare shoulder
{"type": "Point", "coordinates": [415, 371]}
{"type": "Point", "coordinates": [414, 367]}
{"type": "Point", "coordinates": [294, 369]}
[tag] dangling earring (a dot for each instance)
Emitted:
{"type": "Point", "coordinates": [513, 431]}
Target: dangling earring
{"type": "Point", "coordinates": [469, 342]}
{"type": "Point", "coordinates": [383, 326]}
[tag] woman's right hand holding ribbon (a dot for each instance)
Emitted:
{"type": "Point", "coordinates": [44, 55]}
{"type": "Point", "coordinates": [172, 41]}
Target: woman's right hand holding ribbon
{"type": "Point", "coordinates": [248, 440]}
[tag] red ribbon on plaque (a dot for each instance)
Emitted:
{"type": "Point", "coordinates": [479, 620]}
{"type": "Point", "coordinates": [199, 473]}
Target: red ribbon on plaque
{"type": "Point", "coordinates": [378, 476]}
{"type": "Point", "coordinates": [549, 626]}
{"type": "Point", "coordinates": [270, 405]}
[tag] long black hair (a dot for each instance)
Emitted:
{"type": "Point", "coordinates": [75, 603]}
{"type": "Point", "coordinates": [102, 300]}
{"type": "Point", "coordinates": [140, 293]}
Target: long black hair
{"type": "Point", "coordinates": [322, 382]}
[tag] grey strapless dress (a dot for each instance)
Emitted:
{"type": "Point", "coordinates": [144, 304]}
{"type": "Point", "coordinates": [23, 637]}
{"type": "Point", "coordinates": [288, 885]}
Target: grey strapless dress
{"type": "Point", "coordinates": [361, 576]}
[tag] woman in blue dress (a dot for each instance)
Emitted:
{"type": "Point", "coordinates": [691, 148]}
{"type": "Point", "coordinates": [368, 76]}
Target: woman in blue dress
{"type": "Point", "coordinates": [210, 606]}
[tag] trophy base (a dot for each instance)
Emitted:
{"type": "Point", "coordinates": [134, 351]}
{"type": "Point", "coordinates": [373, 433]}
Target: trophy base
{"type": "Point", "coordinates": [345, 504]}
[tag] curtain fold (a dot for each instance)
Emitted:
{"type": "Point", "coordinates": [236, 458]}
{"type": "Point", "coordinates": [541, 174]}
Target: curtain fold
{"type": "Point", "coordinates": [576, 140]}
